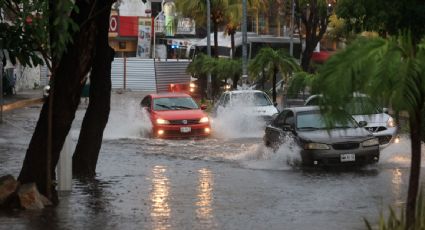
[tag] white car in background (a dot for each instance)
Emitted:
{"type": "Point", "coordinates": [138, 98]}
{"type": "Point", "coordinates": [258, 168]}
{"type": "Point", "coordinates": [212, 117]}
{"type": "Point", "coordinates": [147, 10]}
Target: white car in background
{"type": "Point", "coordinates": [247, 104]}
{"type": "Point", "coordinates": [379, 122]}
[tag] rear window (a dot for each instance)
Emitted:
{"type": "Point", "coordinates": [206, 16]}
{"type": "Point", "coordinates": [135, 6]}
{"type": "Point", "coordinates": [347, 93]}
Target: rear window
{"type": "Point", "coordinates": [358, 106]}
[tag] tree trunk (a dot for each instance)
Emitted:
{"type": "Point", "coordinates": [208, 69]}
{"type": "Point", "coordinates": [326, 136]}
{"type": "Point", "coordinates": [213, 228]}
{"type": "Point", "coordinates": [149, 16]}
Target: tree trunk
{"type": "Point", "coordinates": [274, 84]}
{"type": "Point", "coordinates": [97, 114]}
{"type": "Point", "coordinates": [235, 81]}
{"type": "Point", "coordinates": [263, 78]}
{"type": "Point", "coordinates": [415, 167]}
{"type": "Point", "coordinates": [232, 42]}
{"type": "Point", "coordinates": [215, 31]}
{"type": "Point", "coordinates": [308, 51]}
{"type": "Point", "coordinates": [67, 77]}
{"type": "Point", "coordinates": [214, 81]}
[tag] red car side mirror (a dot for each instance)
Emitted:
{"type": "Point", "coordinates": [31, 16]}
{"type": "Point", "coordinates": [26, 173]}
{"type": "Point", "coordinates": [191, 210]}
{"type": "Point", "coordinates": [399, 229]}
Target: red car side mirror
{"type": "Point", "coordinates": [203, 107]}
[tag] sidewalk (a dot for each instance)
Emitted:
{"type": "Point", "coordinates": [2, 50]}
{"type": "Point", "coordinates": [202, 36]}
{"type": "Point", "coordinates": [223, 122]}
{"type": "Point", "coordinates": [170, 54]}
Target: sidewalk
{"type": "Point", "coordinates": [22, 98]}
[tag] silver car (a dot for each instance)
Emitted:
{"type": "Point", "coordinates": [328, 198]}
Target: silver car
{"type": "Point", "coordinates": [248, 103]}
{"type": "Point", "coordinates": [343, 143]}
{"type": "Point", "coordinates": [381, 124]}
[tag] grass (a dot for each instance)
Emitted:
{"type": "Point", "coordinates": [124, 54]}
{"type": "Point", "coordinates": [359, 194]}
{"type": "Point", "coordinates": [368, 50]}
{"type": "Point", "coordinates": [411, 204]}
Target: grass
{"type": "Point", "coordinates": [398, 222]}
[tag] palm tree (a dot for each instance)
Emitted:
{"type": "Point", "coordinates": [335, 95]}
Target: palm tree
{"type": "Point", "coordinates": [197, 10]}
{"type": "Point", "coordinates": [225, 68]}
{"type": "Point", "coordinates": [391, 71]}
{"type": "Point", "coordinates": [273, 61]}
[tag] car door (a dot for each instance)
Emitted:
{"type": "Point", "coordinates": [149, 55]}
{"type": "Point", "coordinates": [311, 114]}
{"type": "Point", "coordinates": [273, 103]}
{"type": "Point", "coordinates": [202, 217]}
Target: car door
{"type": "Point", "coordinates": [278, 128]}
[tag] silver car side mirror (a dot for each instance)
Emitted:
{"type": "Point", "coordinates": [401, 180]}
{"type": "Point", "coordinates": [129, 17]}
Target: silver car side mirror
{"type": "Point", "coordinates": [362, 123]}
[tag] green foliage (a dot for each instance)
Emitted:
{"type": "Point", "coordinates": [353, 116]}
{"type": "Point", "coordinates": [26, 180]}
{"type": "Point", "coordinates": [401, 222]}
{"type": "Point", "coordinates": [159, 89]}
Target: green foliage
{"type": "Point", "coordinates": [195, 68]}
{"type": "Point", "coordinates": [221, 67]}
{"type": "Point", "coordinates": [337, 28]}
{"type": "Point", "coordinates": [390, 71]}
{"type": "Point", "coordinates": [25, 30]}
{"type": "Point", "coordinates": [384, 16]}
{"type": "Point", "coordinates": [394, 222]}
{"type": "Point", "coordinates": [300, 81]}
{"type": "Point", "coordinates": [198, 9]}
{"type": "Point", "coordinates": [269, 59]}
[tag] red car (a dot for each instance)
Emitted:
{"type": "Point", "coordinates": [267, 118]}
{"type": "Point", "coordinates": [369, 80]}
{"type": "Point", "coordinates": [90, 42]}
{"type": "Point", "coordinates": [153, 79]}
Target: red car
{"type": "Point", "coordinates": [176, 115]}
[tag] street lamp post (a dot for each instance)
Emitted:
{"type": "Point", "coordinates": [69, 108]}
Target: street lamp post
{"type": "Point", "coordinates": [209, 84]}
{"type": "Point", "coordinates": [244, 45]}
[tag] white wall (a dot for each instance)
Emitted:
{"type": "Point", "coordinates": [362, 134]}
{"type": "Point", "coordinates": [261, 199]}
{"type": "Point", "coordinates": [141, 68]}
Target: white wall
{"type": "Point", "coordinates": [133, 8]}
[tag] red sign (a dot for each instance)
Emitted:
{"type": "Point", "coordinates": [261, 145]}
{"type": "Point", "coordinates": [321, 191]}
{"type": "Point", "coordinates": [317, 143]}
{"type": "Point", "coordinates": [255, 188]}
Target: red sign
{"type": "Point", "coordinates": [113, 24]}
{"type": "Point", "coordinates": [128, 26]}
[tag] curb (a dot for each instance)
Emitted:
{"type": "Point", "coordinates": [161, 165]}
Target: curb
{"type": "Point", "coordinates": [22, 103]}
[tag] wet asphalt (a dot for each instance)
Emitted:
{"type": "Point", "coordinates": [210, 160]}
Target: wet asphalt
{"type": "Point", "coordinates": [228, 181]}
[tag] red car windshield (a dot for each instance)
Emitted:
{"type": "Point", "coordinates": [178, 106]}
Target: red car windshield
{"type": "Point", "coordinates": [174, 103]}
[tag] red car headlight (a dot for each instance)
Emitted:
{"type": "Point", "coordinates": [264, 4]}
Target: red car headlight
{"type": "Point", "coordinates": [160, 121]}
{"type": "Point", "coordinates": [204, 120]}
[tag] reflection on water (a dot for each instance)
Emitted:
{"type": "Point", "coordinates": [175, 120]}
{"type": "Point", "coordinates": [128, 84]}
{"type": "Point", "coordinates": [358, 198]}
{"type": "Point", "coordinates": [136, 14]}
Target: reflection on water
{"type": "Point", "coordinates": [396, 185]}
{"type": "Point", "coordinates": [204, 210]}
{"type": "Point", "coordinates": [160, 192]}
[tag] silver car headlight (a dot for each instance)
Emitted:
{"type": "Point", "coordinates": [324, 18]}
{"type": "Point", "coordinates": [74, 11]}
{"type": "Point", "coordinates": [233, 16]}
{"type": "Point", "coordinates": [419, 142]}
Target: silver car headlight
{"type": "Point", "coordinates": [316, 146]}
{"type": "Point", "coordinates": [370, 142]}
{"type": "Point", "coordinates": [390, 122]}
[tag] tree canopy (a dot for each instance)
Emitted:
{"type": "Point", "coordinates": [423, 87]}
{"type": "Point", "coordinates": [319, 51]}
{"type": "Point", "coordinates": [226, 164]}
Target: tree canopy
{"type": "Point", "coordinates": [384, 16]}
{"type": "Point", "coordinates": [25, 30]}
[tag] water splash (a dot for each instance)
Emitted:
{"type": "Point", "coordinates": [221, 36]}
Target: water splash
{"type": "Point", "coordinates": [128, 120]}
{"type": "Point", "coordinates": [235, 123]}
{"type": "Point", "coordinates": [259, 156]}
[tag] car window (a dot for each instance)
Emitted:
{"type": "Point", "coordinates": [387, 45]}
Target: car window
{"type": "Point", "coordinates": [146, 102]}
{"type": "Point", "coordinates": [289, 119]}
{"type": "Point", "coordinates": [361, 106]}
{"type": "Point", "coordinates": [313, 101]}
{"type": "Point", "coordinates": [251, 98]}
{"type": "Point", "coordinates": [314, 120]}
{"type": "Point", "coordinates": [280, 119]}
{"type": "Point", "coordinates": [226, 99]}
{"type": "Point", "coordinates": [174, 103]}
{"type": "Point", "coordinates": [221, 100]}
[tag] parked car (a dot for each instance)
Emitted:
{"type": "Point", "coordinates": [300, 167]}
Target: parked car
{"type": "Point", "coordinates": [248, 103]}
{"type": "Point", "coordinates": [176, 115]}
{"type": "Point", "coordinates": [343, 143]}
{"type": "Point", "coordinates": [379, 122]}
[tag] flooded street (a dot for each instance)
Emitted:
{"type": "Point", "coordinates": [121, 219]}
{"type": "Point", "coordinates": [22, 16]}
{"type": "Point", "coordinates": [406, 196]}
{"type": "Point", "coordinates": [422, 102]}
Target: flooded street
{"type": "Point", "coordinates": [228, 181]}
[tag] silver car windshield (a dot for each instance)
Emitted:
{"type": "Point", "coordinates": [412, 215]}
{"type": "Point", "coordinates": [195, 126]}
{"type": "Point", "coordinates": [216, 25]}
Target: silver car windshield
{"type": "Point", "coordinates": [253, 99]}
{"type": "Point", "coordinates": [314, 120]}
{"type": "Point", "coordinates": [174, 103]}
{"type": "Point", "coordinates": [361, 106]}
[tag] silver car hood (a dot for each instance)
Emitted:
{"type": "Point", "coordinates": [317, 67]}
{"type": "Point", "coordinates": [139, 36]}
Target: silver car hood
{"type": "Point", "coordinates": [372, 120]}
{"type": "Point", "coordinates": [335, 135]}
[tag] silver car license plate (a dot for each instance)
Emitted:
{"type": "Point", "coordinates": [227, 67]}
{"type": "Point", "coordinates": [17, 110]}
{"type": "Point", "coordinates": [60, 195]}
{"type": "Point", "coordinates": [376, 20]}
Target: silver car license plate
{"type": "Point", "coordinates": [185, 129]}
{"type": "Point", "coordinates": [347, 157]}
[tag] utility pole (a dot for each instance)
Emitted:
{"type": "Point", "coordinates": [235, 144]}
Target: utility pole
{"type": "Point", "coordinates": [209, 82]}
{"type": "Point", "coordinates": [291, 41]}
{"type": "Point", "coordinates": [244, 45]}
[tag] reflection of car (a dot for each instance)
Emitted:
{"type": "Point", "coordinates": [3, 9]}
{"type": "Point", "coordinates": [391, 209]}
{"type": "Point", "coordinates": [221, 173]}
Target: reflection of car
{"type": "Point", "coordinates": [343, 143]}
{"type": "Point", "coordinates": [362, 108]}
{"type": "Point", "coordinates": [175, 115]}
{"type": "Point", "coordinates": [253, 103]}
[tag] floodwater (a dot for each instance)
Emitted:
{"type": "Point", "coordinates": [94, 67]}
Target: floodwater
{"type": "Point", "coordinates": [228, 181]}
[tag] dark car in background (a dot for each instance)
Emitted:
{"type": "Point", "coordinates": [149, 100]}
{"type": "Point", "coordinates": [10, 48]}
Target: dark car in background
{"type": "Point", "coordinates": [343, 143]}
